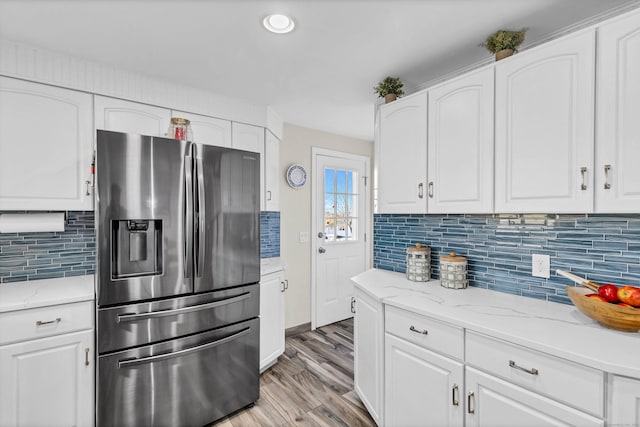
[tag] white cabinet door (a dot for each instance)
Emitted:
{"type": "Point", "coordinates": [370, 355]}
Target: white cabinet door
{"type": "Point", "coordinates": [623, 405]}
{"type": "Point", "coordinates": [272, 172]}
{"type": "Point", "coordinates": [250, 138]}
{"type": "Point", "coordinates": [368, 347]}
{"type": "Point", "coordinates": [208, 130]}
{"type": "Point", "coordinates": [130, 117]}
{"type": "Point", "coordinates": [46, 382]}
{"type": "Point", "coordinates": [402, 156]}
{"type": "Point", "coordinates": [461, 145]}
{"type": "Point", "coordinates": [618, 104]}
{"type": "Point", "coordinates": [491, 402]}
{"type": "Point", "coordinates": [544, 127]}
{"type": "Point", "coordinates": [46, 147]}
{"type": "Point", "coordinates": [272, 287]}
{"type": "Point", "coordinates": [422, 388]}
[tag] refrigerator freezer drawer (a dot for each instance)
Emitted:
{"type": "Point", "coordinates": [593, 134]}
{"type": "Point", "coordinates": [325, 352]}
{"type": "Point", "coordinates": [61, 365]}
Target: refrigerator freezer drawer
{"type": "Point", "coordinates": [145, 323]}
{"type": "Point", "coordinates": [189, 381]}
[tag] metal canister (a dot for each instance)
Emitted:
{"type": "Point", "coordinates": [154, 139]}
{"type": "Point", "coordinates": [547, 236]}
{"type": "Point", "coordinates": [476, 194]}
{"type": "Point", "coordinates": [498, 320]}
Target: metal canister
{"type": "Point", "coordinates": [419, 263]}
{"type": "Point", "coordinates": [453, 271]}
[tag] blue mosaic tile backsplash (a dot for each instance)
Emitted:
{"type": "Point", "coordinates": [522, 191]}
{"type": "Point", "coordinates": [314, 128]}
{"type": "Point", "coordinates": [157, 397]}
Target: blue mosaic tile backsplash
{"type": "Point", "coordinates": [602, 248]}
{"type": "Point", "coordinates": [34, 256]}
{"type": "Point", "coordinates": [269, 234]}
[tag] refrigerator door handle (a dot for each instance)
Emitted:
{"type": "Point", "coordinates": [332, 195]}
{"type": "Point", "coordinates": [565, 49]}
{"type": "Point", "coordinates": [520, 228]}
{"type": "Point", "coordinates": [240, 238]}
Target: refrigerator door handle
{"type": "Point", "coordinates": [129, 317]}
{"type": "Point", "coordinates": [160, 357]}
{"type": "Point", "coordinates": [188, 217]}
{"type": "Point", "coordinates": [200, 244]}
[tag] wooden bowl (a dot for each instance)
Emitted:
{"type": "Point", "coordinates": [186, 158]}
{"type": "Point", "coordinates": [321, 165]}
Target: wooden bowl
{"type": "Point", "coordinates": [612, 316]}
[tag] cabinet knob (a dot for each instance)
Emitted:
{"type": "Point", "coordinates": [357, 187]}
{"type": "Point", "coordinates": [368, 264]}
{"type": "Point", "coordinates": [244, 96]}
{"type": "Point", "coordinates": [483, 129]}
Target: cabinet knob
{"type": "Point", "coordinates": [322, 250]}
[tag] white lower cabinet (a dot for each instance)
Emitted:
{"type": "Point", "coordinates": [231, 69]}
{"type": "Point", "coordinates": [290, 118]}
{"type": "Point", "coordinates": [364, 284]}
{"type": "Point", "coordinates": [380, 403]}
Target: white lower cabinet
{"type": "Point", "coordinates": [48, 374]}
{"type": "Point", "coordinates": [368, 341]}
{"type": "Point", "coordinates": [422, 387]}
{"type": "Point", "coordinates": [623, 401]}
{"type": "Point", "coordinates": [492, 402]}
{"type": "Point", "coordinates": [272, 288]}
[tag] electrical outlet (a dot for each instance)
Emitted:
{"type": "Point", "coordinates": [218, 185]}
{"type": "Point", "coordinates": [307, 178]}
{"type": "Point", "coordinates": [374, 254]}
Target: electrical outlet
{"type": "Point", "coordinates": [540, 265]}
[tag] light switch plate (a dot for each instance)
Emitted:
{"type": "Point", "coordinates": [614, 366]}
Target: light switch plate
{"type": "Point", "coordinates": [540, 265]}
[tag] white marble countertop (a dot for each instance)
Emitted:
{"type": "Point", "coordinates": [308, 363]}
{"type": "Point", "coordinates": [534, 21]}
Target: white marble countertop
{"type": "Point", "coordinates": [40, 293]}
{"type": "Point", "coordinates": [271, 265]}
{"type": "Point", "coordinates": [553, 328]}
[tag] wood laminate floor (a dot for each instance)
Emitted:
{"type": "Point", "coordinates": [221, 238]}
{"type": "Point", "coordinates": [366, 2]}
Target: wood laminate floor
{"type": "Point", "coordinates": [310, 385]}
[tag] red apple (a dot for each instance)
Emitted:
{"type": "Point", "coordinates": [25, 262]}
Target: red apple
{"type": "Point", "coordinates": [624, 304]}
{"type": "Point", "coordinates": [609, 292]}
{"type": "Point", "coordinates": [596, 296]}
{"type": "Point", "coordinates": [629, 295]}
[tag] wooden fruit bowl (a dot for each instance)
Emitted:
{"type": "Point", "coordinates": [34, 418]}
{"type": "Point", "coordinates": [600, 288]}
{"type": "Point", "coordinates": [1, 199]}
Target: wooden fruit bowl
{"type": "Point", "coordinates": [612, 316]}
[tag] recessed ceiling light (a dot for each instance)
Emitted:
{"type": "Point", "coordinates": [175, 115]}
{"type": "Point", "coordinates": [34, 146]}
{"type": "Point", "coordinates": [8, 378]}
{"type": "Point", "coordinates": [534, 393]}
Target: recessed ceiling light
{"type": "Point", "coordinates": [279, 24]}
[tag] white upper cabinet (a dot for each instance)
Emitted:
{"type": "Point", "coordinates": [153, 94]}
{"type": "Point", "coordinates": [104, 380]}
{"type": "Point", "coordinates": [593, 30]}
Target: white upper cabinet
{"type": "Point", "coordinates": [208, 130]}
{"type": "Point", "coordinates": [618, 121]}
{"type": "Point", "coordinates": [130, 117]}
{"type": "Point", "coordinates": [460, 153]}
{"type": "Point", "coordinates": [272, 172]}
{"type": "Point", "coordinates": [544, 134]}
{"type": "Point", "coordinates": [46, 147]}
{"type": "Point", "coordinates": [250, 138]}
{"type": "Point", "coordinates": [402, 156]}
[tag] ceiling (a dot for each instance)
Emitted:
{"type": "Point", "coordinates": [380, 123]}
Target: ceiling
{"type": "Point", "coordinates": [319, 76]}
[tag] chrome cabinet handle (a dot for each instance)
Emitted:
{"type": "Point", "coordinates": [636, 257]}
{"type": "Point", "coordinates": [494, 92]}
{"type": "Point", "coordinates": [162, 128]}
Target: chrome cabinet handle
{"type": "Point", "coordinates": [454, 395]}
{"type": "Point", "coordinates": [286, 284]}
{"type": "Point", "coordinates": [88, 184]}
{"type": "Point", "coordinates": [532, 371]}
{"type": "Point", "coordinates": [133, 362]}
{"type": "Point", "coordinates": [282, 288]}
{"type": "Point", "coordinates": [173, 312]}
{"type": "Point", "coordinates": [420, 191]}
{"type": "Point", "coordinates": [86, 357]}
{"type": "Point", "coordinates": [353, 305]}
{"type": "Point", "coordinates": [470, 409]}
{"type": "Point", "coordinates": [48, 322]}
{"type": "Point", "coordinates": [607, 168]}
{"type": "Point", "coordinates": [583, 172]}
{"type": "Point", "coordinates": [423, 332]}
{"type": "Point", "coordinates": [268, 195]}
{"type": "Point", "coordinates": [430, 189]}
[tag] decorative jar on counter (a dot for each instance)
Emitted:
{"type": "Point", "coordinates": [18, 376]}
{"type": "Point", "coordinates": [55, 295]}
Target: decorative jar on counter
{"type": "Point", "coordinates": [180, 129]}
{"type": "Point", "coordinates": [419, 263]}
{"type": "Point", "coordinates": [453, 271]}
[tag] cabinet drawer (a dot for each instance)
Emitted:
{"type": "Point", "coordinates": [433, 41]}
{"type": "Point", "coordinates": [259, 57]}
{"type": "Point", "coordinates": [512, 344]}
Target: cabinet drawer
{"type": "Point", "coordinates": [560, 379]}
{"type": "Point", "coordinates": [22, 325]}
{"type": "Point", "coordinates": [426, 332]}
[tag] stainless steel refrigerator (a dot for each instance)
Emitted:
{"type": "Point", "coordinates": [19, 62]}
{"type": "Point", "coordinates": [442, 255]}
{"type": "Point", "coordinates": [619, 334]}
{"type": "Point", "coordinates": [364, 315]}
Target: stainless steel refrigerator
{"type": "Point", "coordinates": [178, 267]}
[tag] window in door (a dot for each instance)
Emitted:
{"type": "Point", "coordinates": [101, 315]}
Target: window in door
{"type": "Point", "coordinates": [340, 205]}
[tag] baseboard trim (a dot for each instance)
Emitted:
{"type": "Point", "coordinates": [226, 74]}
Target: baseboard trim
{"type": "Point", "coordinates": [297, 330]}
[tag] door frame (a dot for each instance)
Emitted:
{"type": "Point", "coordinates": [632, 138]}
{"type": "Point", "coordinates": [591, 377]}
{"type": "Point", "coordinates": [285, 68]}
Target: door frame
{"type": "Point", "coordinates": [367, 218]}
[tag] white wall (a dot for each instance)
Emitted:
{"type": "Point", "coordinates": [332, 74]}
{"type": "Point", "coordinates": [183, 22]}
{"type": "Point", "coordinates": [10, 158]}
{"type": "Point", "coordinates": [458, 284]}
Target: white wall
{"type": "Point", "coordinates": [295, 211]}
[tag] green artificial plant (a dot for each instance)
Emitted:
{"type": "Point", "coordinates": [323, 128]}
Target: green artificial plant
{"type": "Point", "coordinates": [504, 39]}
{"type": "Point", "coordinates": [388, 86]}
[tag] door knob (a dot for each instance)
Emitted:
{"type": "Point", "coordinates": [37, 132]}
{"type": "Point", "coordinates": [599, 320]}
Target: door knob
{"type": "Point", "coordinates": [322, 250]}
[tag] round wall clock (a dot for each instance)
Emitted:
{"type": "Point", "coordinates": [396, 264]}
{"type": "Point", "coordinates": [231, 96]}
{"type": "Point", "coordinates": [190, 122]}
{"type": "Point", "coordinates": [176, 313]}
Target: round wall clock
{"type": "Point", "coordinates": [296, 176]}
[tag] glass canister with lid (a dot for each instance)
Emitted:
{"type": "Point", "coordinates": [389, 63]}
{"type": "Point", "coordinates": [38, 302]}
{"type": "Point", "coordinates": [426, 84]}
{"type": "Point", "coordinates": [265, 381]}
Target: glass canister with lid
{"type": "Point", "coordinates": [180, 129]}
{"type": "Point", "coordinates": [418, 263]}
{"type": "Point", "coordinates": [453, 271]}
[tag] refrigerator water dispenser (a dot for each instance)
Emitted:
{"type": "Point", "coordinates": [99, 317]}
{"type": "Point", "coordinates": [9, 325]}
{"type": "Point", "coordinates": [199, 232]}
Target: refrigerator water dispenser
{"type": "Point", "coordinates": [136, 248]}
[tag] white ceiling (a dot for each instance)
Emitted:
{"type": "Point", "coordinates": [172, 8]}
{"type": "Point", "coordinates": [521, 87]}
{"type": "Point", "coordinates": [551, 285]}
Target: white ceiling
{"type": "Point", "coordinates": [319, 76]}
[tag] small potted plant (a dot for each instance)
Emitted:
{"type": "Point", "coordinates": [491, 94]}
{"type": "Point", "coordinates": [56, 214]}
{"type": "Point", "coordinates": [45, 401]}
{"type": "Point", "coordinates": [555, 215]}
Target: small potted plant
{"type": "Point", "coordinates": [504, 43]}
{"type": "Point", "coordinates": [389, 89]}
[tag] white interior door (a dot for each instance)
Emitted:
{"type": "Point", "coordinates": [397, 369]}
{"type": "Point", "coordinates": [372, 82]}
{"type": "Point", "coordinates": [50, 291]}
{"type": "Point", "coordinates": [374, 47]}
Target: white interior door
{"type": "Point", "coordinates": [340, 220]}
